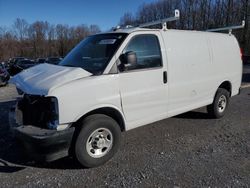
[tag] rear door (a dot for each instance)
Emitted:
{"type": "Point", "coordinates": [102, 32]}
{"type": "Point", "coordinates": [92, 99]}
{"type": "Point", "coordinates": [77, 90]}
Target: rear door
{"type": "Point", "coordinates": [143, 87]}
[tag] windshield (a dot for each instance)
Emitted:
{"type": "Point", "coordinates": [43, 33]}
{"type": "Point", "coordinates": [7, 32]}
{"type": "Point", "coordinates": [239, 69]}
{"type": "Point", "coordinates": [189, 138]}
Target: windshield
{"type": "Point", "coordinates": [94, 53]}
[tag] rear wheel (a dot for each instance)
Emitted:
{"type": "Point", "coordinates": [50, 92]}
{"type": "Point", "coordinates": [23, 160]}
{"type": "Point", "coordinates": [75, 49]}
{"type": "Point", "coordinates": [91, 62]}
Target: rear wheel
{"type": "Point", "coordinates": [98, 140]}
{"type": "Point", "coordinates": [218, 108]}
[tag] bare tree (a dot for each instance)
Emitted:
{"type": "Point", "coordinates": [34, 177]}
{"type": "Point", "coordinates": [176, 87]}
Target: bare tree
{"type": "Point", "coordinates": [94, 29]}
{"type": "Point", "coordinates": [62, 32]}
{"type": "Point", "coordinates": [127, 19]}
{"type": "Point", "coordinates": [20, 28]}
{"type": "Point", "coordinates": [41, 39]}
{"type": "Point", "coordinates": [196, 15]}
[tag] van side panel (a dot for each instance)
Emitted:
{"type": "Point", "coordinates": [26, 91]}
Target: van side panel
{"type": "Point", "coordinates": [227, 62]}
{"type": "Point", "coordinates": [198, 63]}
{"type": "Point", "coordinates": [190, 70]}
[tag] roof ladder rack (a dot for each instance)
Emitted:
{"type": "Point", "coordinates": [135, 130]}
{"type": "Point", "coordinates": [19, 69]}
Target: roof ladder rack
{"type": "Point", "coordinates": [230, 28]}
{"type": "Point", "coordinates": [163, 21]}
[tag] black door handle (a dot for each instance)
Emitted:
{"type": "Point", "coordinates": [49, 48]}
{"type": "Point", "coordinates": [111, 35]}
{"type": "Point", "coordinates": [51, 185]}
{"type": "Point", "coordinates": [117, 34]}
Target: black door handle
{"type": "Point", "coordinates": [165, 77]}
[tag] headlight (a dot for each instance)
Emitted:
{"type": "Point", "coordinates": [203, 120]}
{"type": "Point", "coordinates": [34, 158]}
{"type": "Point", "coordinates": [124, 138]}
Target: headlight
{"type": "Point", "coordinates": [54, 113]}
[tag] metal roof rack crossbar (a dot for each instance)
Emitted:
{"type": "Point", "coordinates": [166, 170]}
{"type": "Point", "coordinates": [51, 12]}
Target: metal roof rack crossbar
{"type": "Point", "coordinates": [229, 28]}
{"type": "Point", "coordinates": [163, 21]}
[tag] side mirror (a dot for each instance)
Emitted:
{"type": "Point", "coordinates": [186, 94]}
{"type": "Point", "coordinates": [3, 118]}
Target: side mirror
{"type": "Point", "coordinates": [129, 58]}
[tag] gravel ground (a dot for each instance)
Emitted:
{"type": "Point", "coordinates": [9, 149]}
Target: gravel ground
{"type": "Point", "coordinates": [189, 150]}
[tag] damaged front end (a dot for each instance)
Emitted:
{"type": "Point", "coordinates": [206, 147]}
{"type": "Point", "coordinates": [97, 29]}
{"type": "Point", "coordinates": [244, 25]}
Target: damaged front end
{"type": "Point", "coordinates": [36, 118]}
{"type": "Point", "coordinates": [39, 111]}
{"type": "Point", "coordinates": [37, 127]}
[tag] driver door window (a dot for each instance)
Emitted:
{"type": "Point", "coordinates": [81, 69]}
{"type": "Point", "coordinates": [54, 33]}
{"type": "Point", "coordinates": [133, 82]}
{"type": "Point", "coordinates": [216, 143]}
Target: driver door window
{"type": "Point", "coordinates": [147, 50]}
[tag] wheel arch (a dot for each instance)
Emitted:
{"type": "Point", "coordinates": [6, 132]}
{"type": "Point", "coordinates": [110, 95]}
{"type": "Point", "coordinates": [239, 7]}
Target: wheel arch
{"type": "Point", "coordinates": [227, 85]}
{"type": "Point", "coordinates": [106, 110]}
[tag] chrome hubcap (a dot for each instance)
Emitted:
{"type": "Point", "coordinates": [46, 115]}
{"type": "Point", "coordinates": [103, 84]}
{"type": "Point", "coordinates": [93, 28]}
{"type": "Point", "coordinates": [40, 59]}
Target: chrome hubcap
{"type": "Point", "coordinates": [222, 103]}
{"type": "Point", "coordinates": [99, 143]}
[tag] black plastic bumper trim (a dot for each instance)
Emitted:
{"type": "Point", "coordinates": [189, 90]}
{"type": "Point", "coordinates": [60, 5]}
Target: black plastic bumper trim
{"type": "Point", "coordinates": [43, 144]}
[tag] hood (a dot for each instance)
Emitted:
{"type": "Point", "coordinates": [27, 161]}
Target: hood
{"type": "Point", "coordinates": [41, 79]}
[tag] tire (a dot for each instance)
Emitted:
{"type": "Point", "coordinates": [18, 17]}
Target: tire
{"type": "Point", "coordinates": [97, 141]}
{"type": "Point", "coordinates": [219, 106]}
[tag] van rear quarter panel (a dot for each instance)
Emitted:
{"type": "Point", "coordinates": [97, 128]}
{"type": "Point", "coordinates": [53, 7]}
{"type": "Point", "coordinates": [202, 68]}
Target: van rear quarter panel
{"type": "Point", "coordinates": [226, 60]}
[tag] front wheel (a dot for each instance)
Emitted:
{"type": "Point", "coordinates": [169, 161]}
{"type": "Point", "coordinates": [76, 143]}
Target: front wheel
{"type": "Point", "coordinates": [98, 140]}
{"type": "Point", "coordinates": [221, 100]}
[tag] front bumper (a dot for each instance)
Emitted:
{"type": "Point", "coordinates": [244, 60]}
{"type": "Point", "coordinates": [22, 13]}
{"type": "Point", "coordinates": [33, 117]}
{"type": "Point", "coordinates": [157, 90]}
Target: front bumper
{"type": "Point", "coordinates": [42, 144]}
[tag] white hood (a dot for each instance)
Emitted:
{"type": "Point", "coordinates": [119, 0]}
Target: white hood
{"type": "Point", "coordinates": [41, 79]}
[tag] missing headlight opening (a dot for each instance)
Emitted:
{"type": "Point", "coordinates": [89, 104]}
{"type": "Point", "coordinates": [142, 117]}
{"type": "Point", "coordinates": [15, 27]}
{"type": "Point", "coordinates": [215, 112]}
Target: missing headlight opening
{"type": "Point", "coordinates": [39, 111]}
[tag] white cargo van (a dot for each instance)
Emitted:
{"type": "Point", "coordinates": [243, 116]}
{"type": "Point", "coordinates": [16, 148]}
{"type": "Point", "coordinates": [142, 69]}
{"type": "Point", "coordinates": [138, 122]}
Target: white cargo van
{"type": "Point", "coordinates": [121, 80]}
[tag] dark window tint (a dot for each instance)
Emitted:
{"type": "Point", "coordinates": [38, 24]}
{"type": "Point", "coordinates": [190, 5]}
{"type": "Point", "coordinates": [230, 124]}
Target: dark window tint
{"type": "Point", "coordinates": [147, 50]}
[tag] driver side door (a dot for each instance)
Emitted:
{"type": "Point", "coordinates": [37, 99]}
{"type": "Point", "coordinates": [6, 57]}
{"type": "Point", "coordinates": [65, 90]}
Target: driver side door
{"type": "Point", "coordinates": [143, 85]}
